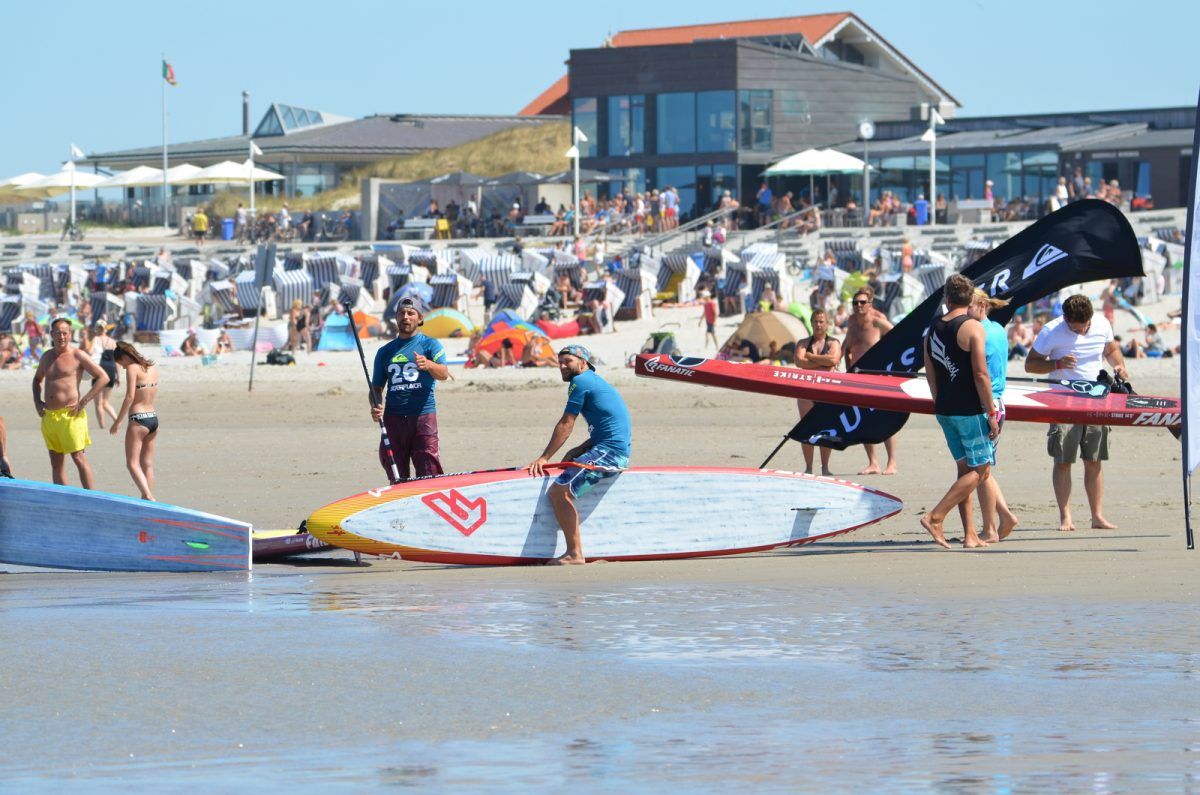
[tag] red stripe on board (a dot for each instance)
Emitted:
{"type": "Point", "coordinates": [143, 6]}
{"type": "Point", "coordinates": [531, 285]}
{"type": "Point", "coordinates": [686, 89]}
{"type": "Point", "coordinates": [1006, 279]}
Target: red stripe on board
{"type": "Point", "coordinates": [243, 536]}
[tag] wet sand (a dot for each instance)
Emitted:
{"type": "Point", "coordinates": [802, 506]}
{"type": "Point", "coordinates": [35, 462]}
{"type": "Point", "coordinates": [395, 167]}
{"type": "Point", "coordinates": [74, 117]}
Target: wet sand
{"type": "Point", "coordinates": [1052, 660]}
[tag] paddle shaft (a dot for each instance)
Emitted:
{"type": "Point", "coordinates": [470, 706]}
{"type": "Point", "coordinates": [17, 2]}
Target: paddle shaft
{"type": "Point", "coordinates": [906, 374]}
{"type": "Point", "coordinates": [383, 434]}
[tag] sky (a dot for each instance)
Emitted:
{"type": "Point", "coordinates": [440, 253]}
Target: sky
{"type": "Point", "coordinates": [101, 91]}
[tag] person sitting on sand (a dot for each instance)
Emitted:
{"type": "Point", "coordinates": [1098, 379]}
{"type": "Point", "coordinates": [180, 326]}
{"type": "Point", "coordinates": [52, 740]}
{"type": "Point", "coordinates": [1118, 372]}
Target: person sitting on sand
{"type": "Point", "coordinates": [141, 379]}
{"type": "Point", "coordinates": [224, 343]}
{"type": "Point", "coordinates": [10, 354]}
{"type": "Point", "coordinates": [957, 372]}
{"type": "Point", "coordinates": [191, 344]}
{"type": "Point", "coordinates": [538, 353]}
{"type": "Point", "coordinates": [503, 357]}
{"type": "Point", "coordinates": [602, 455]}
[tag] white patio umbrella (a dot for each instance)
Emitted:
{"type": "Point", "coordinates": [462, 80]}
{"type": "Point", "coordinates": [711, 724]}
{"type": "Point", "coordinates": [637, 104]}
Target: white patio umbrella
{"type": "Point", "coordinates": [175, 174]}
{"type": "Point", "coordinates": [60, 183]}
{"type": "Point", "coordinates": [139, 177]}
{"type": "Point", "coordinates": [228, 172]}
{"type": "Point", "coordinates": [8, 186]}
{"type": "Point", "coordinates": [813, 162]}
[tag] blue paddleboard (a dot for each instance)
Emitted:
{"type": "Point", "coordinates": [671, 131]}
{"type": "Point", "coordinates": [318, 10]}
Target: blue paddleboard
{"type": "Point", "coordinates": [63, 527]}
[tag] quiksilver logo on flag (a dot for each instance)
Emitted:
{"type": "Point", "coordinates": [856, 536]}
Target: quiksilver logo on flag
{"type": "Point", "coordinates": [1046, 255]}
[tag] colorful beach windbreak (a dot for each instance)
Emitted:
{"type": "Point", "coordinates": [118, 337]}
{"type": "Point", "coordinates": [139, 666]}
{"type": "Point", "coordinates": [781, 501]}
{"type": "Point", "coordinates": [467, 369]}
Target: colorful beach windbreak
{"type": "Point", "coordinates": [1190, 335]}
{"type": "Point", "coordinates": [1085, 241]}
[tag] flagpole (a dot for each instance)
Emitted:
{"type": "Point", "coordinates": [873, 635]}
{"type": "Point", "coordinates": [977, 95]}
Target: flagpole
{"type": "Point", "coordinates": [251, 161]}
{"type": "Point", "coordinates": [72, 187]}
{"type": "Point", "coordinates": [166, 193]}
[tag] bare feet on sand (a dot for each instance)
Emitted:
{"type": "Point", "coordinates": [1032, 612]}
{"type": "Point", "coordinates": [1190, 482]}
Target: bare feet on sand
{"type": "Point", "coordinates": [935, 529]}
{"type": "Point", "coordinates": [826, 473]}
{"type": "Point", "coordinates": [890, 470]}
{"type": "Point", "coordinates": [1065, 525]}
{"type": "Point", "coordinates": [567, 560]}
{"type": "Point", "coordinates": [1100, 523]}
{"type": "Point", "coordinates": [1007, 525]}
{"type": "Point", "coordinates": [872, 469]}
{"type": "Point", "coordinates": [990, 538]}
{"type": "Point", "coordinates": [973, 542]}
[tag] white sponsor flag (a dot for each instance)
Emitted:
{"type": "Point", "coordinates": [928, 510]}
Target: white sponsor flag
{"type": "Point", "coordinates": [1190, 337]}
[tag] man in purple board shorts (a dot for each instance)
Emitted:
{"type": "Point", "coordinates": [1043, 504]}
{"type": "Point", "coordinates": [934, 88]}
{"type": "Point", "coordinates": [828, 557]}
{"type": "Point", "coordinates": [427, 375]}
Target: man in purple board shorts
{"type": "Point", "coordinates": [405, 373]}
{"type": "Point", "coordinates": [603, 454]}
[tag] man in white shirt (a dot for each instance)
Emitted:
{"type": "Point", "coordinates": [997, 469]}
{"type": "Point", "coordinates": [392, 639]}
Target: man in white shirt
{"type": "Point", "coordinates": [1073, 347]}
{"type": "Point", "coordinates": [240, 232]}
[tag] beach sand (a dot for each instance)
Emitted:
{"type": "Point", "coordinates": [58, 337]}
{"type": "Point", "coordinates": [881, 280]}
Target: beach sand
{"type": "Point", "coordinates": [1016, 663]}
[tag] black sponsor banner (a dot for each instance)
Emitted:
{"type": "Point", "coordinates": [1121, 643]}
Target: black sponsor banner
{"type": "Point", "coordinates": [1085, 241]}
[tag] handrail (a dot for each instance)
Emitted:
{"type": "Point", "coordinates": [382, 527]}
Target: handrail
{"type": "Point", "coordinates": [682, 229]}
{"type": "Point", "coordinates": [777, 223]}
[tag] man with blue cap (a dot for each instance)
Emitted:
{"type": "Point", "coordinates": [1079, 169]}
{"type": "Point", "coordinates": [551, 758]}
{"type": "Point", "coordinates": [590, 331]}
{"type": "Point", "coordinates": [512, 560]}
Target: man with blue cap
{"type": "Point", "coordinates": [603, 454]}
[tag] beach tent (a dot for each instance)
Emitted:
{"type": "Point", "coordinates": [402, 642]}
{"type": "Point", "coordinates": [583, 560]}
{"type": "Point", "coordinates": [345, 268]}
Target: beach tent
{"type": "Point", "coordinates": [446, 322]}
{"type": "Point", "coordinates": [520, 337]}
{"type": "Point", "coordinates": [506, 319]}
{"type": "Point", "coordinates": [763, 328]}
{"type": "Point", "coordinates": [368, 325]}
{"type": "Point", "coordinates": [336, 335]}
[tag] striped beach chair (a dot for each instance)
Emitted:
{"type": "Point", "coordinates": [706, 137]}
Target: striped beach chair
{"type": "Point", "coordinates": [216, 270]}
{"type": "Point", "coordinates": [293, 261]}
{"type": "Point", "coordinates": [604, 290]}
{"type": "Point", "coordinates": [677, 274]}
{"type": "Point", "coordinates": [248, 295]}
{"type": "Point", "coordinates": [470, 261]}
{"type": "Point", "coordinates": [151, 312]}
{"type": "Point", "coordinates": [764, 268]}
{"type": "Point", "coordinates": [323, 270]}
{"type": "Point", "coordinates": [398, 275]}
{"type": "Point", "coordinates": [221, 296]}
{"type": "Point", "coordinates": [933, 278]}
{"type": "Point", "coordinates": [352, 291]}
{"type": "Point", "coordinates": [637, 301]}
{"type": "Point", "coordinates": [293, 285]}
{"type": "Point", "coordinates": [139, 276]}
{"type": "Point", "coordinates": [106, 307]}
{"type": "Point", "coordinates": [498, 268]}
{"type": "Point", "coordinates": [369, 270]}
{"type": "Point", "coordinates": [572, 268]}
{"type": "Point", "coordinates": [449, 290]}
{"type": "Point", "coordinates": [10, 312]}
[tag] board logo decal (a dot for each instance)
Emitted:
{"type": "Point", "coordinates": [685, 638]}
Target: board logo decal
{"type": "Point", "coordinates": [1157, 419]}
{"type": "Point", "coordinates": [681, 365]}
{"type": "Point", "coordinates": [1046, 255]}
{"type": "Point", "coordinates": [465, 516]}
{"type": "Point", "coordinates": [1139, 402]}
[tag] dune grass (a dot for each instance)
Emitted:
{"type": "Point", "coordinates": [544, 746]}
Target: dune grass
{"type": "Point", "coordinates": [524, 148]}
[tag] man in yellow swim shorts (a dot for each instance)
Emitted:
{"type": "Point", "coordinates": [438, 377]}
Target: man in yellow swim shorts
{"type": "Point", "coordinates": [64, 420]}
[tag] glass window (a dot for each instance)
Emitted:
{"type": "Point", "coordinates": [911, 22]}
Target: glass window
{"type": "Point", "coordinates": [683, 180]}
{"type": "Point", "coordinates": [754, 119]}
{"type": "Point", "coordinates": [584, 117]}
{"type": "Point", "coordinates": [1142, 186]}
{"type": "Point", "coordinates": [676, 123]}
{"type": "Point", "coordinates": [632, 180]}
{"type": "Point", "coordinates": [715, 119]}
{"type": "Point", "coordinates": [626, 125]}
{"type": "Point", "coordinates": [711, 184]}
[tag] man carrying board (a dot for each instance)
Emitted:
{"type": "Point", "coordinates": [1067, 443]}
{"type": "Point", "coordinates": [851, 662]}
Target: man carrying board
{"type": "Point", "coordinates": [603, 454]}
{"type": "Point", "coordinates": [1072, 348]}
{"type": "Point", "coordinates": [64, 418]}
{"type": "Point", "coordinates": [867, 325]}
{"type": "Point", "coordinates": [408, 367]}
{"type": "Point", "coordinates": [957, 372]}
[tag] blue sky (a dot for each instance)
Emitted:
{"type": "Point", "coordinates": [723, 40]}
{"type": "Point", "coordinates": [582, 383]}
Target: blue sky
{"type": "Point", "coordinates": [357, 57]}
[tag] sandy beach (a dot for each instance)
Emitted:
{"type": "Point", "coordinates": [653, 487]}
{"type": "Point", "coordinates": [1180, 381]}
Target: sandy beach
{"type": "Point", "coordinates": [1016, 664]}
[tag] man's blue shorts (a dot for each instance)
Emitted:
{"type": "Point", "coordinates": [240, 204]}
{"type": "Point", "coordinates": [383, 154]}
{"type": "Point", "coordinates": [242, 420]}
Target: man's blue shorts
{"type": "Point", "coordinates": [967, 437]}
{"type": "Point", "coordinates": [581, 479]}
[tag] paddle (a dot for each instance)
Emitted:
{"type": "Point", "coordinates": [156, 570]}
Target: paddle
{"type": "Point", "coordinates": [383, 434]}
{"type": "Point", "coordinates": [1098, 388]}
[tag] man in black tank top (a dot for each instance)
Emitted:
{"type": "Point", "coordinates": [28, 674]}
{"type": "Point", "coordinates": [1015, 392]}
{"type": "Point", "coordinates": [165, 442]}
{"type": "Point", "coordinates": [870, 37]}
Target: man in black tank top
{"type": "Point", "coordinates": [956, 368]}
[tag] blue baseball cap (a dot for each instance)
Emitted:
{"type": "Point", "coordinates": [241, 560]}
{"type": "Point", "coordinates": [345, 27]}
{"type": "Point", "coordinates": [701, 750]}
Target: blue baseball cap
{"type": "Point", "coordinates": [580, 352]}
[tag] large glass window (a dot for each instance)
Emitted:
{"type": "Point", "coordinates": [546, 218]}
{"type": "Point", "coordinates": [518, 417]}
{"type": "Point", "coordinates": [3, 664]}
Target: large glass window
{"type": "Point", "coordinates": [683, 180]}
{"type": "Point", "coordinates": [716, 116]}
{"type": "Point", "coordinates": [631, 180]}
{"type": "Point", "coordinates": [711, 184]}
{"type": "Point", "coordinates": [754, 119]}
{"type": "Point", "coordinates": [676, 117]}
{"type": "Point", "coordinates": [626, 125]}
{"type": "Point", "coordinates": [1142, 185]}
{"type": "Point", "coordinates": [584, 117]}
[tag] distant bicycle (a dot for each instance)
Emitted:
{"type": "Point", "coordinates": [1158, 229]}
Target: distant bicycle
{"type": "Point", "coordinates": [336, 229]}
{"type": "Point", "coordinates": [72, 231]}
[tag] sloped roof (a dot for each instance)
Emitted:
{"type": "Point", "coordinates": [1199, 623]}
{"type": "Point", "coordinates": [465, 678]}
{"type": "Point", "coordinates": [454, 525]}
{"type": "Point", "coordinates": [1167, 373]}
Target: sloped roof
{"type": "Point", "coordinates": [815, 29]}
{"type": "Point", "coordinates": [372, 137]}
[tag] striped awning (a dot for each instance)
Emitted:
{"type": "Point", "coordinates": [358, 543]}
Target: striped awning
{"type": "Point", "coordinates": [291, 286]}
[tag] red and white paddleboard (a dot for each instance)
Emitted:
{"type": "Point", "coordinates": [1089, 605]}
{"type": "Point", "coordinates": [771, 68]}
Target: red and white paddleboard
{"type": "Point", "coordinates": [643, 513]}
{"type": "Point", "coordinates": [1074, 402]}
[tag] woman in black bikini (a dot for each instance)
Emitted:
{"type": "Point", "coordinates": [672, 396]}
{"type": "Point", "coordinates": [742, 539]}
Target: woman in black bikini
{"type": "Point", "coordinates": [102, 347]}
{"type": "Point", "coordinates": [141, 377]}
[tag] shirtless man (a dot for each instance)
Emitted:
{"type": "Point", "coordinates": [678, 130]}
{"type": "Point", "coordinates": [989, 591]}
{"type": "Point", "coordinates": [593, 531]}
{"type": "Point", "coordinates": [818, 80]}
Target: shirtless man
{"type": "Point", "coordinates": [818, 352]}
{"type": "Point", "coordinates": [64, 418]}
{"type": "Point", "coordinates": [866, 326]}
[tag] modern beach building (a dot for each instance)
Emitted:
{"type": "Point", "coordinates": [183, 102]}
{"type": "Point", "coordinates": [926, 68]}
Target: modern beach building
{"type": "Point", "coordinates": [706, 108]}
